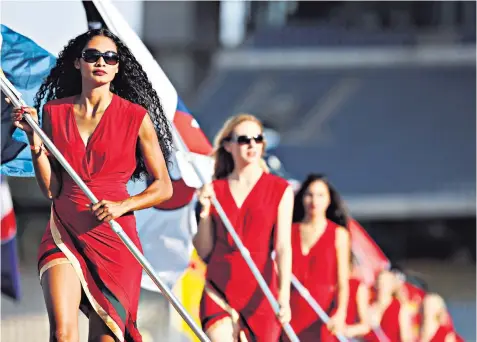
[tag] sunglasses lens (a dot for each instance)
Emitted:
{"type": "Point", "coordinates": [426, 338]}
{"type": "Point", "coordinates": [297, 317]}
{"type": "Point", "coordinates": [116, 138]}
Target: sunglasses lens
{"type": "Point", "coordinates": [259, 139]}
{"type": "Point", "coordinates": [244, 140]}
{"type": "Point", "coordinates": [91, 56]}
{"type": "Point", "coordinates": [111, 58]}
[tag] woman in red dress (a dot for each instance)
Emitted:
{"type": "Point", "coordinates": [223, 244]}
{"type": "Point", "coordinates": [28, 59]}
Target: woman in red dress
{"type": "Point", "coordinates": [437, 325]}
{"type": "Point", "coordinates": [104, 117]}
{"type": "Point", "coordinates": [259, 205]}
{"type": "Point", "coordinates": [390, 313]}
{"type": "Point", "coordinates": [321, 258]}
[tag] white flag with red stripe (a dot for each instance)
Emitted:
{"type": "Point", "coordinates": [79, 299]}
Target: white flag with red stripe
{"type": "Point", "coordinates": [9, 256]}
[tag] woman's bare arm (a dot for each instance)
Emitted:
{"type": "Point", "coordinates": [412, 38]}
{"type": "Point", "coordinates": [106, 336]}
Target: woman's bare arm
{"type": "Point", "coordinates": [160, 189]}
{"type": "Point", "coordinates": [362, 327]}
{"type": "Point", "coordinates": [47, 169]}
{"type": "Point", "coordinates": [203, 240]}
{"type": "Point", "coordinates": [343, 251]}
{"type": "Point", "coordinates": [283, 246]}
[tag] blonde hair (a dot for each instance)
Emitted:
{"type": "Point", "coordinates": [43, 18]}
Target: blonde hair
{"type": "Point", "coordinates": [224, 163]}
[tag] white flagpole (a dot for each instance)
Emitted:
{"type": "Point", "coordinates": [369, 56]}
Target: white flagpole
{"type": "Point", "coordinates": [8, 89]}
{"type": "Point", "coordinates": [303, 291]}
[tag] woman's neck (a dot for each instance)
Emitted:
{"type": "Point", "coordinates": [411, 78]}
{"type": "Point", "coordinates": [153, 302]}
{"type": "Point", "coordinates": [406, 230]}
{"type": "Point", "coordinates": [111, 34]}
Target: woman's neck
{"type": "Point", "coordinates": [315, 220]}
{"type": "Point", "coordinates": [95, 99]}
{"type": "Point", "coordinates": [247, 174]}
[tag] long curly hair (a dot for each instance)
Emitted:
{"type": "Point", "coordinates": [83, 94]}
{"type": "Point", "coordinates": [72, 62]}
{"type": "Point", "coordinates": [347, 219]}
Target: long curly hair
{"type": "Point", "coordinates": [130, 83]}
{"type": "Point", "coordinates": [336, 211]}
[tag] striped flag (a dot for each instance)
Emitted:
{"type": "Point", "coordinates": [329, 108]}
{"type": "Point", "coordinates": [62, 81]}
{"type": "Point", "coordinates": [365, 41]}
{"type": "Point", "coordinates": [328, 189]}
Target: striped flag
{"type": "Point", "coordinates": [9, 262]}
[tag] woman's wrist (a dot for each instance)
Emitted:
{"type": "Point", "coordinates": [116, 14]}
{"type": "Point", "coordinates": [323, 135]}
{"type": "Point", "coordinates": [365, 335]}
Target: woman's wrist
{"type": "Point", "coordinates": [284, 296]}
{"type": "Point", "coordinates": [128, 204]}
{"type": "Point", "coordinates": [340, 311]}
{"type": "Point", "coordinates": [33, 138]}
{"type": "Point", "coordinates": [204, 213]}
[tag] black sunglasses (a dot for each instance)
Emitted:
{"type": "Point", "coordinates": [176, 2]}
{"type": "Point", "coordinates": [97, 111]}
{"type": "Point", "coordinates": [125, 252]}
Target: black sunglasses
{"type": "Point", "coordinates": [93, 55]}
{"type": "Point", "coordinates": [246, 140]}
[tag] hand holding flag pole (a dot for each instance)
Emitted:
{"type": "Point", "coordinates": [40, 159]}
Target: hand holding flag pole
{"type": "Point", "coordinates": [16, 100]}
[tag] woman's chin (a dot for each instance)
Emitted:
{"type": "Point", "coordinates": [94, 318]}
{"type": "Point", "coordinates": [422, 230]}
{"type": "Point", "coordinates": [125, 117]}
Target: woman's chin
{"type": "Point", "coordinates": [98, 81]}
{"type": "Point", "coordinates": [246, 161]}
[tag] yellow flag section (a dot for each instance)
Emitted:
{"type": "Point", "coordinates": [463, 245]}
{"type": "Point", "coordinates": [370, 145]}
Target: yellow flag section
{"type": "Point", "coordinates": [189, 291]}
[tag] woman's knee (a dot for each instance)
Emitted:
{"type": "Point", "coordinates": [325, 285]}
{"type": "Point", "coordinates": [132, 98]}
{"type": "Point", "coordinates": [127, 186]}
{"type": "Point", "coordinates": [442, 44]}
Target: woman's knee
{"type": "Point", "coordinates": [223, 331]}
{"type": "Point", "coordinates": [64, 332]}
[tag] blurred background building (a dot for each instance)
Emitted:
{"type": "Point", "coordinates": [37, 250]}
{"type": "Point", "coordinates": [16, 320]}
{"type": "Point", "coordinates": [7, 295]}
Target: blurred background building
{"type": "Point", "coordinates": [379, 95]}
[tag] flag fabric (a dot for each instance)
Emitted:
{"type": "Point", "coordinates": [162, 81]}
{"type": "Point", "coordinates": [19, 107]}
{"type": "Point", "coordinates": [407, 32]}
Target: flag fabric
{"type": "Point", "coordinates": [25, 64]}
{"type": "Point", "coordinates": [28, 49]}
{"type": "Point", "coordinates": [9, 259]}
{"type": "Point", "coordinates": [369, 256]}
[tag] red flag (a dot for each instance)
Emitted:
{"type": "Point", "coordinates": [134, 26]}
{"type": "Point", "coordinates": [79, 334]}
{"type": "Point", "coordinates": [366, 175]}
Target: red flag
{"type": "Point", "coordinates": [370, 257]}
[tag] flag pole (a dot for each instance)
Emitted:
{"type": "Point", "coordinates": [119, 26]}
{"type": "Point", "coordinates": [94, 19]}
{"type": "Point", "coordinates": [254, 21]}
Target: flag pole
{"type": "Point", "coordinates": [303, 291]}
{"type": "Point", "coordinates": [13, 95]}
{"type": "Point", "coordinates": [243, 250]}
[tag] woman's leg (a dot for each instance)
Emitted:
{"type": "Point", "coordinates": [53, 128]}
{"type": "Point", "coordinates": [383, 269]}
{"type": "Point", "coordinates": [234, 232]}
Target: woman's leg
{"type": "Point", "coordinates": [223, 331]}
{"type": "Point", "coordinates": [98, 331]}
{"type": "Point", "coordinates": [62, 293]}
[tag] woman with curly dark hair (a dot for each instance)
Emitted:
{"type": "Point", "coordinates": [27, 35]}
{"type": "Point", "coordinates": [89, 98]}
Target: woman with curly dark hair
{"type": "Point", "coordinates": [321, 259]}
{"type": "Point", "coordinates": [103, 115]}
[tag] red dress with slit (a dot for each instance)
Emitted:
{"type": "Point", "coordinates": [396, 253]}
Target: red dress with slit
{"type": "Point", "coordinates": [109, 274]}
{"type": "Point", "coordinates": [231, 290]}
{"type": "Point", "coordinates": [318, 272]}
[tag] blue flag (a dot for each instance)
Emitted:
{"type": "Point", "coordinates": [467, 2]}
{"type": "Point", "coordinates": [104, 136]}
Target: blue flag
{"type": "Point", "coordinates": [25, 64]}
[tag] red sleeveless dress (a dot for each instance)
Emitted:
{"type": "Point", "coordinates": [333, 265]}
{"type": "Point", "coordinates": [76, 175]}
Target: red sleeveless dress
{"type": "Point", "coordinates": [441, 333]}
{"type": "Point", "coordinates": [231, 289]}
{"type": "Point", "coordinates": [109, 274]}
{"type": "Point", "coordinates": [389, 324]}
{"type": "Point", "coordinates": [318, 272]}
